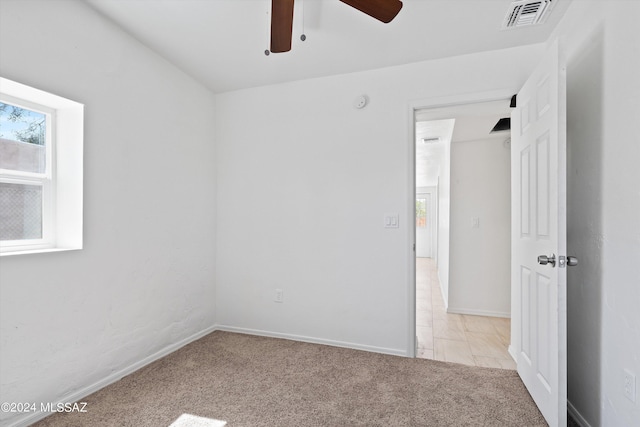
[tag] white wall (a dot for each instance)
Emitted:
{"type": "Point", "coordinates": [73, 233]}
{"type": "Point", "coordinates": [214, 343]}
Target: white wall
{"type": "Point", "coordinates": [304, 181]}
{"type": "Point", "coordinates": [145, 278]}
{"type": "Point", "coordinates": [480, 278]}
{"type": "Point", "coordinates": [603, 106]}
{"type": "Point", "coordinates": [444, 221]}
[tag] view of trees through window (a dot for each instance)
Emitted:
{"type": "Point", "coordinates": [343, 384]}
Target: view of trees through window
{"type": "Point", "coordinates": [421, 213]}
{"type": "Point", "coordinates": [21, 124]}
{"type": "Point", "coordinates": [23, 138]}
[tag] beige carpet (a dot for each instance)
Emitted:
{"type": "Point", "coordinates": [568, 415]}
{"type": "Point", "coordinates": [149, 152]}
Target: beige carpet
{"type": "Point", "coordinates": [255, 381]}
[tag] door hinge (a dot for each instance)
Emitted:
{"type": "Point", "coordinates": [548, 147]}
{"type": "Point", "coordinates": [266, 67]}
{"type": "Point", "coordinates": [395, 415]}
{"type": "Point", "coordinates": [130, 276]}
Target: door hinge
{"type": "Point", "coordinates": [414, 247]}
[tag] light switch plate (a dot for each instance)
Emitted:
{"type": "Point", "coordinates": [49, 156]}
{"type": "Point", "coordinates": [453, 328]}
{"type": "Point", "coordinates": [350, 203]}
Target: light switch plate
{"type": "Point", "coordinates": [630, 385]}
{"type": "Point", "coordinates": [391, 220]}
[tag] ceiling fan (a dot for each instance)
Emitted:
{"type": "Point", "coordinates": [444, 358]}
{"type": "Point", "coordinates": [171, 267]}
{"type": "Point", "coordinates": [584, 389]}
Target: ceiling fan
{"type": "Point", "coordinates": [282, 18]}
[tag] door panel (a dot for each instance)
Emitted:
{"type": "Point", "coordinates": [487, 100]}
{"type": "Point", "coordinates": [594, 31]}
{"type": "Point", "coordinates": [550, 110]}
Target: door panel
{"type": "Point", "coordinates": [538, 164]}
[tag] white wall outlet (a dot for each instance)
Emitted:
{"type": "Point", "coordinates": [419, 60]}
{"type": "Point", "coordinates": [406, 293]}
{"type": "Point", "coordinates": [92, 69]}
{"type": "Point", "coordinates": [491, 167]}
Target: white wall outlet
{"type": "Point", "coordinates": [630, 385]}
{"type": "Point", "coordinates": [279, 295]}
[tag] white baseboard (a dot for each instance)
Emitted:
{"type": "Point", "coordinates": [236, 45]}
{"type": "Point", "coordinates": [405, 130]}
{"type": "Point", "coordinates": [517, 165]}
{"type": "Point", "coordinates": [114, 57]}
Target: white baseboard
{"type": "Point", "coordinates": [86, 391]}
{"type": "Point", "coordinates": [478, 312]}
{"type": "Point", "coordinates": [512, 352]}
{"type": "Point", "coordinates": [577, 416]}
{"type": "Point", "coordinates": [392, 351]}
{"type": "Point", "coordinates": [78, 395]}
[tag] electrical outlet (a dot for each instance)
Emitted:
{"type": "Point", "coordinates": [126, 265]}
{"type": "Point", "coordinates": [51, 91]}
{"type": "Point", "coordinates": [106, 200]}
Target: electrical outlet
{"type": "Point", "coordinates": [279, 295]}
{"type": "Point", "coordinates": [630, 385]}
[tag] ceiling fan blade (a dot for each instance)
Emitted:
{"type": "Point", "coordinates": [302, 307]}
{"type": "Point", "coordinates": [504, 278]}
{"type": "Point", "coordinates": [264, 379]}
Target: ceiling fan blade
{"type": "Point", "coordinates": [281, 25]}
{"type": "Point", "coordinates": [382, 10]}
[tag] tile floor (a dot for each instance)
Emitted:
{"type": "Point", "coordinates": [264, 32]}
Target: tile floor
{"type": "Point", "coordinates": [458, 338]}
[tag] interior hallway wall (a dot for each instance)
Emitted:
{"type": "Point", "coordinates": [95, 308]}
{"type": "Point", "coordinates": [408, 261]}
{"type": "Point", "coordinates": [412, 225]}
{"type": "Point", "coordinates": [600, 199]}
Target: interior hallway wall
{"type": "Point", "coordinates": [480, 273]}
{"type": "Point", "coordinates": [304, 182]}
{"type": "Point", "coordinates": [444, 222]}
{"type": "Point", "coordinates": [145, 278]}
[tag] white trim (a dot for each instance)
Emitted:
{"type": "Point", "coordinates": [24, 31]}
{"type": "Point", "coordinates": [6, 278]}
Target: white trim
{"type": "Point", "coordinates": [577, 416]}
{"type": "Point", "coordinates": [63, 179]}
{"type": "Point", "coordinates": [110, 379]}
{"type": "Point", "coordinates": [445, 294]}
{"type": "Point", "coordinates": [44, 179]}
{"type": "Point", "coordinates": [412, 339]}
{"type": "Point", "coordinates": [512, 353]}
{"type": "Point", "coordinates": [25, 250]}
{"type": "Point", "coordinates": [461, 99]}
{"type": "Point", "coordinates": [312, 340]}
{"type": "Point", "coordinates": [412, 107]}
{"type": "Point", "coordinates": [478, 312]}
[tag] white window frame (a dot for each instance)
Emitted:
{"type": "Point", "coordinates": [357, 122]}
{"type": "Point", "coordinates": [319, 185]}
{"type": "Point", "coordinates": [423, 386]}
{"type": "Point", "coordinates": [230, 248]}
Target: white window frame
{"type": "Point", "coordinates": [45, 180]}
{"type": "Point", "coordinates": [62, 181]}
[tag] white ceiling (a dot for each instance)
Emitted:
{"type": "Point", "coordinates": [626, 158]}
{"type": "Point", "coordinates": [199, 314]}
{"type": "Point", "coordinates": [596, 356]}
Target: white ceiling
{"type": "Point", "coordinates": [222, 42]}
{"type": "Point", "coordinates": [455, 124]}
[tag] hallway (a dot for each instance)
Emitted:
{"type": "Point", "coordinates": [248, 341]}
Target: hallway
{"type": "Point", "coordinates": [459, 338]}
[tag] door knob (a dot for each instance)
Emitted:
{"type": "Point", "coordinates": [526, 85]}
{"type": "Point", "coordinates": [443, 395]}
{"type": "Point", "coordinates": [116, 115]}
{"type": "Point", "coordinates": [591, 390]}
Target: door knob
{"type": "Point", "coordinates": [571, 261]}
{"type": "Point", "coordinates": [544, 260]}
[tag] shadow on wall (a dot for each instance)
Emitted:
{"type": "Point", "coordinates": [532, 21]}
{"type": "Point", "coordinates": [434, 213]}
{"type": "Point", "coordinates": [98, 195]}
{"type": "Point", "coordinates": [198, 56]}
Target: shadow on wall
{"type": "Point", "coordinates": [585, 135]}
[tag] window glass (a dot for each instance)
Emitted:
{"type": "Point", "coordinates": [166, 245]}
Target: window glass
{"type": "Point", "coordinates": [34, 170]}
{"type": "Point", "coordinates": [23, 135]}
{"type": "Point", "coordinates": [421, 213]}
{"type": "Point", "coordinates": [20, 211]}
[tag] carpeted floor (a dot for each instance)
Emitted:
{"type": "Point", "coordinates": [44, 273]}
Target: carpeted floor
{"type": "Point", "coordinates": [256, 381]}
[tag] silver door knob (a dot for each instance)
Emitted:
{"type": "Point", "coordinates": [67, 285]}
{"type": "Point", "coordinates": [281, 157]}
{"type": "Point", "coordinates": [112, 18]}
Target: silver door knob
{"type": "Point", "coordinates": [544, 260]}
{"type": "Point", "coordinates": [571, 261]}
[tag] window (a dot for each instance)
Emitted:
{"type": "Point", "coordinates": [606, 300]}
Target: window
{"type": "Point", "coordinates": [26, 174]}
{"type": "Point", "coordinates": [421, 213]}
{"type": "Point", "coordinates": [40, 170]}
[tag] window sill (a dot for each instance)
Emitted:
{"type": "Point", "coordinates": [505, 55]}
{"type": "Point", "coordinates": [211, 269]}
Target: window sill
{"type": "Point", "coordinates": [63, 223]}
{"type": "Point", "coordinates": [36, 251]}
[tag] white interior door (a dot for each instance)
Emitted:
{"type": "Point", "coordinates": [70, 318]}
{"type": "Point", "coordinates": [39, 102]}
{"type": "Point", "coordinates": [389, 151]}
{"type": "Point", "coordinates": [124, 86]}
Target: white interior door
{"type": "Point", "coordinates": [423, 225]}
{"type": "Point", "coordinates": [538, 165]}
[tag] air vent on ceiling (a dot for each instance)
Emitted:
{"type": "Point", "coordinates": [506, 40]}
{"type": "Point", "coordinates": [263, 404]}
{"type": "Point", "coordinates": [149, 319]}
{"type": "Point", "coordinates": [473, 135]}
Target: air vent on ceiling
{"type": "Point", "coordinates": [526, 12]}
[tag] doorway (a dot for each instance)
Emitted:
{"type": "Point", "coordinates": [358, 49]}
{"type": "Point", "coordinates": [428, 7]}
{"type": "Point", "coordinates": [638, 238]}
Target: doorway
{"type": "Point", "coordinates": [462, 185]}
{"type": "Point", "coordinates": [425, 234]}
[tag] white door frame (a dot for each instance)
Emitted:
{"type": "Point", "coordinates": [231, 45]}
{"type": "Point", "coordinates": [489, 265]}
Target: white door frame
{"type": "Point", "coordinates": [423, 104]}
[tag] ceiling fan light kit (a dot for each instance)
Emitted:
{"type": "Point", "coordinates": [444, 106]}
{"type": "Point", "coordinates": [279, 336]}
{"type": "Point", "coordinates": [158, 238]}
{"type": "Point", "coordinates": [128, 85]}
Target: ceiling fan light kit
{"type": "Point", "coordinates": [282, 19]}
